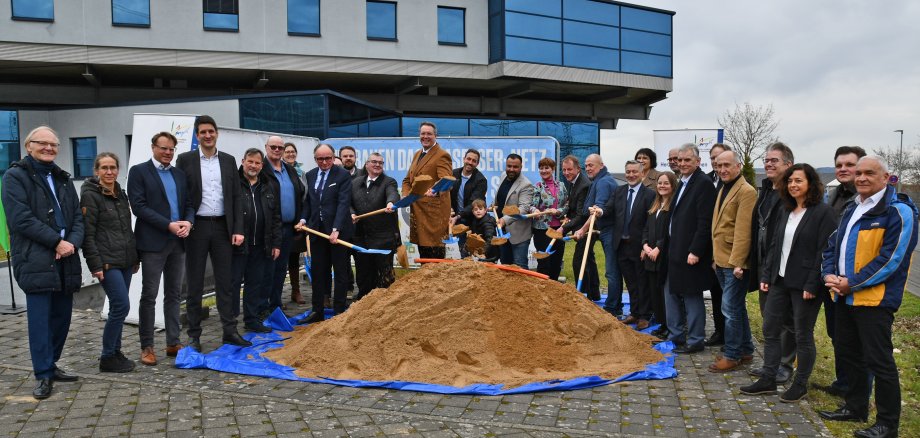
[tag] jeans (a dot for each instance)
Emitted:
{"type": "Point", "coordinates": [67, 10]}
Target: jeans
{"type": "Point", "coordinates": [256, 271]}
{"type": "Point", "coordinates": [686, 316]}
{"type": "Point", "coordinates": [515, 253]}
{"type": "Point", "coordinates": [781, 301]}
{"type": "Point", "coordinates": [116, 283]}
{"type": "Point", "coordinates": [48, 315]}
{"type": "Point", "coordinates": [279, 266]}
{"type": "Point", "coordinates": [614, 302]}
{"type": "Point", "coordinates": [737, 326]}
{"type": "Point", "coordinates": [170, 265]}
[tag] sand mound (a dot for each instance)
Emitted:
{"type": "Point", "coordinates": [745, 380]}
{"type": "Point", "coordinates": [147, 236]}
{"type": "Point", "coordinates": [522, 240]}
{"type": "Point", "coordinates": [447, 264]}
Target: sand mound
{"type": "Point", "coordinates": [461, 323]}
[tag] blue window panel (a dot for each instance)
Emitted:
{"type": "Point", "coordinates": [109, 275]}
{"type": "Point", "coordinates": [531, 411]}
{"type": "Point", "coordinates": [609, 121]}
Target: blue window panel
{"type": "Point", "coordinates": [298, 115]}
{"type": "Point", "coordinates": [572, 133]}
{"type": "Point", "coordinates": [84, 153]}
{"type": "Point", "coordinates": [9, 125]}
{"type": "Point", "coordinates": [646, 20]}
{"type": "Point", "coordinates": [451, 25]}
{"type": "Point", "coordinates": [381, 20]}
{"type": "Point", "coordinates": [446, 127]}
{"type": "Point", "coordinates": [303, 17]}
{"type": "Point", "coordinates": [533, 26]}
{"type": "Point", "coordinates": [131, 12]}
{"type": "Point", "coordinates": [384, 128]}
{"type": "Point", "coordinates": [42, 10]}
{"type": "Point", "coordinates": [581, 152]}
{"type": "Point", "coordinates": [591, 57]}
{"type": "Point", "coordinates": [502, 128]}
{"type": "Point", "coordinates": [646, 64]}
{"type": "Point", "coordinates": [527, 50]}
{"type": "Point", "coordinates": [9, 154]}
{"type": "Point", "coordinates": [592, 11]}
{"type": "Point", "coordinates": [225, 22]}
{"type": "Point", "coordinates": [552, 8]}
{"type": "Point", "coordinates": [591, 34]}
{"type": "Point", "coordinates": [646, 42]}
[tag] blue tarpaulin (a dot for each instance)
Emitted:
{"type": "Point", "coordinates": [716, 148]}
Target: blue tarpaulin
{"type": "Point", "coordinates": [249, 361]}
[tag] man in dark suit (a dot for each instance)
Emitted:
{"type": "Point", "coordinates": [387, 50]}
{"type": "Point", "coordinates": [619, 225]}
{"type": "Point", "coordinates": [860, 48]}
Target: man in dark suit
{"type": "Point", "coordinates": [689, 253]}
{"type": "Point", "coordinates": [327, 209]}
{"type": "Point", "coordinates": [630, 203]}
{"type": "Point", "coordinates": [214, 190]}
{"type": "Point", "coordinates": [158, 195]}
{"type": "Point", "coordinates": [578, 184]}
{"type": "Point", "coordinates": [470, 184]}
{"type": "Point", "coordinates": [289, 191]}
{"type": "Point", "coordinates": [372, 191]}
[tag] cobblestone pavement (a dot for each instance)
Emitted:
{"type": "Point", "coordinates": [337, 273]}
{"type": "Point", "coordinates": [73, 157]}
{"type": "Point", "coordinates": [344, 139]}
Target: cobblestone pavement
{"type": "Point", "coordinates": [165, 401]}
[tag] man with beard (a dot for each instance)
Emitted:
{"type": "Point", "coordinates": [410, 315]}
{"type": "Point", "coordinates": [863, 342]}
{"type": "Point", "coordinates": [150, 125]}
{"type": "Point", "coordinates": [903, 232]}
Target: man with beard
{"type": "Point", "coordinates": [515, 190]}
{"type": "Point", "coordinates": [470, 184]}
{"type": "Point", "coordinates": [348, 157]}
{"type": "Point", "coordinates": [672, 161]}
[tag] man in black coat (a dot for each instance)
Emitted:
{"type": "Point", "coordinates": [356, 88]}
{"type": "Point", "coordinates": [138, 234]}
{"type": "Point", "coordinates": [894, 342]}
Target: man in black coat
{"type": "Point", "coordinates": [470, 184]}
{"type": "Point", "coordinates": [214, 190]}
{"type": "Point", "coordinates": [689, 253]}
{"type": "Point", "coordinates": [630, 203]}
{"type": "Point", "coordinates": [373, 191]}
{"type": "Point", "coordinates": [578, 184]}
{"type": "Point", "coordinates": [289, 192]}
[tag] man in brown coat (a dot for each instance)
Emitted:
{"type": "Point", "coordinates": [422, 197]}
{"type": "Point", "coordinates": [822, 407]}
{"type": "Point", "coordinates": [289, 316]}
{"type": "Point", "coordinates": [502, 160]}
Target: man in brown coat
{"type": "Point", "coordinates": [428, 216]}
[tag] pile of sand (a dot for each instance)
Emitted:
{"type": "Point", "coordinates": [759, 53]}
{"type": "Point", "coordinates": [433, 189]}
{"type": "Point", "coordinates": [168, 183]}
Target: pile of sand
{"type": "Point", "coordinates": [463, 322]}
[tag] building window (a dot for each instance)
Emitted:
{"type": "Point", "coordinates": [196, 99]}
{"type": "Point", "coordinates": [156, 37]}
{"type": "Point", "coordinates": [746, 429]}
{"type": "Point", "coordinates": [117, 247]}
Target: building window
{"type": "Point", "coordinates": [133, 13]}
{"type": "Point", "coordinates": [9, 139]}
{"type": "Point", "coordinates": [33, 10]}
{"type": "Point", "coordinates": [84, 152]}
{"type": "Point", "coordinates": [381, 20]}
{"type": "Point", "coordinates": [451, 26]}
{"type": "Point", "coordinates": [303, 17]}
{"type": "Point", "coordinates": [221, 15]}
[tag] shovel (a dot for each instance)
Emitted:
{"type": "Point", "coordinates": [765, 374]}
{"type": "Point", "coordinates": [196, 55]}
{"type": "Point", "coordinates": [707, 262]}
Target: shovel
{"type": "Point", "coordinates": [401, 257]}
{"type": "Point", "coordinates": [516, 213]}
{"type": "Point", "coordinates": [450, 235]}
{"type": "Point", "coordinates": [308, 262]}
{"type": "Point", "coordinates": [344, 243]}
{"type": "Point", "coordinates": [584, 259]}
{"type": "Point", "coordinates": [500, 237]}
{"type": "Point", "coordinates": [419, 187]}
{"type": "Point", "coordinates": [555, 235]}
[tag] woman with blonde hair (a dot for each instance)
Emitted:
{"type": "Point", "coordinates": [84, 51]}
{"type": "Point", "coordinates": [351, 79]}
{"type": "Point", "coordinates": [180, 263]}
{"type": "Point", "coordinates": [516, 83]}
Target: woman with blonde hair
{"type": "Point", "coordinates": [655, 247]}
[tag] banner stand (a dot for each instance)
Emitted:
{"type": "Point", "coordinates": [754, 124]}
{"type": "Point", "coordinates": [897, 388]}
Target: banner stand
{"type": "Point", "coordinates": [12, 309]}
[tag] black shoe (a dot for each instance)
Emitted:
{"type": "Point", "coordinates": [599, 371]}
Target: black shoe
{"type": "Point", "coordinates": [716, 339]}
{"type": "Point", "coordinates": [843, 414]}
{"type": "Point", "coordinates": [783, 374]}
{"type": "Point", "coordinates": [314, 317]}
{"type": "Point", "coordinates": [763, 386]}
{"type": "Point", "coordinates": [594, 297]}
{"type": "Point", "coordinates": [830, 389]}
{"type": "Point", "coordinates": [661, 334]}
{"type": "Point", "coordinates": [42, 389]}
{"type": "Point", "coordinates": [61, 376]}
{"type": "Point", "coordinates": [877, 431]}
{"type": "Point", "coordinates": [795, 393]}
{"type": "Point", "coordinates": [234, 338]}
{"type": "Point", "coordinates": [115, 364]}
{"type": "Point", "coordinates": [257, 328]}
{"type": "Point", "coordinates": [195, 344]}
{"type": "Point", "coordinates": [689, 349]}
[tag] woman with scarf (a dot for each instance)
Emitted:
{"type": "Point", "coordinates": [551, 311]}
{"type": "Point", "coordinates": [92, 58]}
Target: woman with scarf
{"type": "Point", "coordinates": [549, 195]}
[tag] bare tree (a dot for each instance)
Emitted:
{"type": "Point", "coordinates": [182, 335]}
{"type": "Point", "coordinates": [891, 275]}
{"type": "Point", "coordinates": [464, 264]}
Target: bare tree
{"type": "Point", "coordinates": [906, 166]}
{"type": "Point", "coordinates": [749, 129]}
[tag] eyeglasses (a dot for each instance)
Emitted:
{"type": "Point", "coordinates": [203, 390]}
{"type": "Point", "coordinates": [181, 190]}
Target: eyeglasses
{"type": "Point", "coordinates": [672, 159]}
{"type": "Point", "coordinates": [771, 161]}
{"type": "Point", "coordinates": [377, 162]}
{"type": "Point", "coordinates": [276, 148]}
{"type": "Point", "coordinates": [323, 158]}
{"type": "Point", "coordinates": [45, 143]}
{"type": "Point", "coordinates": [108, 168]}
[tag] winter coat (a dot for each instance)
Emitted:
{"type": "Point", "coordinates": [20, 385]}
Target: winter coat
{"type": "Point", "coordinates": [428, 216]}
{"type": "Point", "coordinates": [109, 241]}
{"type": "Point", "coordinates": [379, 231]}
{"type": "Point", "coordinates": [260, 201]}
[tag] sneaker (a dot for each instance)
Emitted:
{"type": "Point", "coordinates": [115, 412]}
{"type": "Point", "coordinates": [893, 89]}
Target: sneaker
{"type": "Point", "coordinates": [115, 364]}
{"type": "Point", "coordinates": [764, 386]}
{"type": "Point", "coordinates": [795, 393]}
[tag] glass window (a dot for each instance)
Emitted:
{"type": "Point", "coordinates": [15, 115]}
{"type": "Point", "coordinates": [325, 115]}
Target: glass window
{"type": "Point", "coordinates": [381, 20]}
{"type": "Point", "coordinates": [591, 57]}
{"type": "Point", "coordinates": [9, 154]}
{"type": "Point", "coordinates": [446, 127]}
{"type": "Point", "coordinates": [646, 64]}
{"type": "Point", "coordinates": [451, 25]}
{"type": "Point", "coordinates": [221, 15]}
{"type": "Point", "coordinates": [527, 50]}
{"type": "Point", "coordinates": [500, 128]}
{"type": "Point", "coordinates": [591, 34]}
{"type": "Point", "coordinates": [574, 133]}
{"type": "Point", "coordinates": [298, 115]}
{"type": "Point", "coordinates": [646, 20]}
{"type": "Point", "coordinates": [84, 152]}
{"type": "Point", "coordinates": [532, 26]}
{"type": "Point", "coordinates": [39, 10]}
{"type": "Point", "coordinates": [388, 127]}
{"type": "Point", "coordinates": [9, 139]}
{"type": "Point", "coordinates": [131, 13]}
{"type": "Point", "coordinates": [646, 42]}
{"type": "Point", "coordinates": [303, 17]}
{"type": "Point", "coordinates": [552, 8]}
{"type": "Point", "coordinates": [496, 38]}
{"type": "Point", "coordinates": [594, 12]}
{"type": "Point", "coordinates": [581, 152]}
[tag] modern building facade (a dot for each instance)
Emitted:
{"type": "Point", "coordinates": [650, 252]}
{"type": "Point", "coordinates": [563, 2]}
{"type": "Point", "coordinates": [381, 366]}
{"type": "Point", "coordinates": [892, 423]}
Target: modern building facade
{"type": "Point", "coordinates": [566, 68]}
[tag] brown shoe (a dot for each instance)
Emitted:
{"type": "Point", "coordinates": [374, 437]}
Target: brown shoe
{"type": "Point", "coordinates": [642, 324]}
{"type": "Point", "coordinates": [173, 350]}
{"type": "Point", "coordinates": [148, 357]}
{"type": "Point", "coordinates": [724, 365]}
{"type": "Point", "coordinates": [630, 320]}
{"type": "Point", "coordinates": [297, 298]}
{"type": "Point", "coordinates": [745, 359]}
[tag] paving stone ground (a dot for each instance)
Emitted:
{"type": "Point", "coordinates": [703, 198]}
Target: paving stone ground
{"type": "Point", "coordinates": [165, 401]}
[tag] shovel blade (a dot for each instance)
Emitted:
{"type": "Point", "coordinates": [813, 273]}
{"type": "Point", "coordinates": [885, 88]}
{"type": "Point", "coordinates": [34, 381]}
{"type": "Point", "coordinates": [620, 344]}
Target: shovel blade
{"type": "Point", "coordinates": [370, 251]}
{"type": "Point", "coordinates": [443, 184]}
{"type": "Point", "coordinates": [405, 202]}
{"type": "Point", "coordinates": [541, 255]}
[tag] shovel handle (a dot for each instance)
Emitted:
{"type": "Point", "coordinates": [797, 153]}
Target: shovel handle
{"type": "Point", "coordinates": [371, 213]}
{"type": "Point", "coordinates": [325, 236]}
{"type": "Point", "coordinates": [495, 212]}
{"type": "Point", "coordinates": [584, 258]}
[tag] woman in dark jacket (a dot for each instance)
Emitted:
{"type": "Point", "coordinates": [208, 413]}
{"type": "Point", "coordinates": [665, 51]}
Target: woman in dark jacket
{"type": "Point", "coordinates": [46, 229]}
{"type": "Point", "coordinates": [110, 252]}
{"type": "Point", "coordinates": [791, 277]}
{"type": "Point", "coordinates": [373, 191]}
{"type": "Point", "coordinates": [655, 248]}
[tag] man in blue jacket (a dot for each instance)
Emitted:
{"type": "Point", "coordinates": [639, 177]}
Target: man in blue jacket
{"type": "Point", "coordinates": [865, 266]}
{"type": "Point", "coordinates": [602, 188]}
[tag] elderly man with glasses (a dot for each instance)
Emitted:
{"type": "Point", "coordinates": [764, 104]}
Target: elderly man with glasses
{"type": "Point", "coordinates": [373, 191]}
{"type": "Point", "coordinates": [289, 191]}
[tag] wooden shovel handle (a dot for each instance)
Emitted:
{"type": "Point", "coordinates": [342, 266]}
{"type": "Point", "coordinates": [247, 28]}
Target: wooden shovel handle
{"type": "Point", "coordinates": [371, 213]}
{"type": "Point", "coordinates": [584, 259]}
{"type": "Point", "coordinates": [324, 236]}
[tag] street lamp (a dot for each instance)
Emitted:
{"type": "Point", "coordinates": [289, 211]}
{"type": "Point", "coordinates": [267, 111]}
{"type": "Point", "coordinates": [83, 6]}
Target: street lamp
{"type": "Point", "coordinates": [900, 156]}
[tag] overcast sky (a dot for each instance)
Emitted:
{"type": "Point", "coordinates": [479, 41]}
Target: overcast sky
{"type": "Point", "coordinates": [842, 72]}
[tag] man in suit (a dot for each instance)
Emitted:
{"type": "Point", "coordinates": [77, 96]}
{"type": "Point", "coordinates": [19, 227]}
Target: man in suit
{"type": "Point", "coordinates": [602, 187]}
{"type": "Point", "coordinates": [715, 293]}
{"type": "Point", "coordinates": [159, 198]}
{"type": "Point", "coordinates": [372, 191]}
{"type": "Point", "coordinates": [515, 190]}
{"type": "Point", "coordinates": [577, 185]}
{"type": "Point", "coordinates": [327, 209]}
{"type": "Point", "coordinates": [470, 184]}
{"type": "Point", "coordinates": [289, 192]}
{"type": "Point", "coordinates": [630, 203]}
{"type": "Point", "coordinates": [689, 253]}
{"type": "Point", "coordinates": [731, 244]}
{"type": "Point", "coordinates": [429, 216]}
{"type": "Point", "coordinates": [214, 190]}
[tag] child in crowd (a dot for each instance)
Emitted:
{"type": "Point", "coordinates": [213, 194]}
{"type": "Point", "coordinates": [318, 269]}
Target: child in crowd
{"type": "Point", "coordinates": [482, 224]}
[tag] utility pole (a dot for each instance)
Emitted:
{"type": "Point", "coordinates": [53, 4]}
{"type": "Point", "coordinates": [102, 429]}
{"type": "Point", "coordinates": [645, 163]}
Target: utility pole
{"type": "Point", "coordinates": [900, 157]}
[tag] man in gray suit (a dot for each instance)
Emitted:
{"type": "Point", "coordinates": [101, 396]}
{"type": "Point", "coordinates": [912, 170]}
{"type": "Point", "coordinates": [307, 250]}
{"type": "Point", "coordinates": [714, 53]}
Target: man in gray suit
{"type": "Point", "coordinates": [515, 190]}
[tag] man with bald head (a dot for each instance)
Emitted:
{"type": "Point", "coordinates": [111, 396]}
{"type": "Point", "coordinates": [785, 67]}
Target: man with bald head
{"type": "Point", "coordinates": [602, 188]}
{"type": "Point", "coordinates": [289, 191]}
{"type": "Point", "coordinates": [865, 266]}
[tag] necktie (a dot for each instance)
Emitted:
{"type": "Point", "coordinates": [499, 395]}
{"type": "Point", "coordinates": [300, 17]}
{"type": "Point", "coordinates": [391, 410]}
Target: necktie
{"type": "Point", "coordinates": [319, 188]}
{"type": "Point", "coordinates": [629, 200]}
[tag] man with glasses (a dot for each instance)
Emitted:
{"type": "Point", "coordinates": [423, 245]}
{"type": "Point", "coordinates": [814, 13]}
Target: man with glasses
{"type": "Point", "coordinates": [372, 191]}
{"type": "Point", "coordinates": [672, 161]}
{"type": "Point", "coordinates": [158, 195]}
{"type": "Point", "coordinates": [327, 209]}
{"type": "Point", "coordinates": [428, 216]}
{"type": "Point", "coordinates": [289, 191]}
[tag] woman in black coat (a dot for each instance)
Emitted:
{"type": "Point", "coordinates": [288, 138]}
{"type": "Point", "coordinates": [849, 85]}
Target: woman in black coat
{"type": "Point", "coordinates": [655, 248]}
{"type": "Point", "coordinates": [46, 229]}
{"type": "Point", "coordinates": [791, 277]}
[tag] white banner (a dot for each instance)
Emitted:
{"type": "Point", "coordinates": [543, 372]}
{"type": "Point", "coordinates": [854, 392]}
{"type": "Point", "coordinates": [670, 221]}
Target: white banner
{"type": "Point", "coordinates": [665, 140]}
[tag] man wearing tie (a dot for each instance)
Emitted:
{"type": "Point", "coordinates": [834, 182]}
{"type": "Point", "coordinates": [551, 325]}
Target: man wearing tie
{"type": "Point", "coordinates": [429, 215]}
{"type": "Point", "coordinates": [630, 203]}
